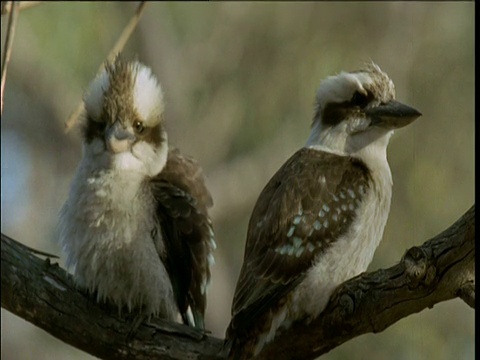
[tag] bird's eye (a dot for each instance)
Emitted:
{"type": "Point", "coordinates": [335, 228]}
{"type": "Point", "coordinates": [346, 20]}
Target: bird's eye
{"type": "Point", "coordinates": [359, 99]}
{"type": "Point", "coordinates": [138, 127]}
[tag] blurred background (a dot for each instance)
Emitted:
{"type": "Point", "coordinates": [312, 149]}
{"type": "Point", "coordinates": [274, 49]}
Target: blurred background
{"type": "Point", "coordinates": [240, 81]}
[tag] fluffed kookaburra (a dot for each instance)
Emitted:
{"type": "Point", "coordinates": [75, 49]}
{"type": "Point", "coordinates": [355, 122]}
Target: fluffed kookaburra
{"type": "Point", "coordinates": [135, 227]}
{"type": "Point", "coordinates": [320, 218]}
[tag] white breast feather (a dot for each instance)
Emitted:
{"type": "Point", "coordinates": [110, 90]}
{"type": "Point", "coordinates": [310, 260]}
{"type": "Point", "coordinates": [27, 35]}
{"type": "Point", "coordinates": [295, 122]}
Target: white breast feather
{"type": "Point", "coordinates": [106, 230]}
{"type": "Point", "coordinates": [349, 256]}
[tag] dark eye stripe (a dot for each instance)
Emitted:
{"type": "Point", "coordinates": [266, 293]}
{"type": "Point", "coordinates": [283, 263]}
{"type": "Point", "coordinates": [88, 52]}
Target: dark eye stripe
{"type": "Point", "coordinates": [361, 100]}
{"type": "Point", "coordinates": [93, 129]}
{"type": "Point", "coordinates": [334, 113]}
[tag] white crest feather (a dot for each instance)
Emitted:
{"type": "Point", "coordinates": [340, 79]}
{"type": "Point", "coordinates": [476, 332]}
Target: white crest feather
{"type": "Point", "coordinates": [147, 94]}
{"type": "Point", "coordinates": [339, 88]}
{"type": "Point", "coordinates": [94, 96]}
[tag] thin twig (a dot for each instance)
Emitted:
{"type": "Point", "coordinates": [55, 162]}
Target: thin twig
{"type": "Point", "coordinates": [21, 6]}
{"type": "Point", "coordinates": [118, 47]}
{"type": "Point", "coordinates": [12, 22]}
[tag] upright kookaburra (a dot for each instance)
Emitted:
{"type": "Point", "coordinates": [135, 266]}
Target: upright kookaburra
{"type": "Point", "coordinates": [135, 227]}
{"type": "Point", "coordinates": [320, 218]}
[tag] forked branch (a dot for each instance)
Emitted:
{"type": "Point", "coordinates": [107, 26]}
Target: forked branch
{"type": "Point", "coordinates": [439, 270]}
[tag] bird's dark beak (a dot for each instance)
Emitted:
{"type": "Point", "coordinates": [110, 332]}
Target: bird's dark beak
{"type": "Point", "coordinates": [118, 138]}
{"type": "Point", "coordinates": [392, 115]}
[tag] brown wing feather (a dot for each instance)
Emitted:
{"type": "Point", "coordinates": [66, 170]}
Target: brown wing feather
{"type": "Point", "coordinates": [287, 229]}
{"type": "Point", "coordinates": [182, 202]}
{"type": "Point", "coordinates": [184, 172]}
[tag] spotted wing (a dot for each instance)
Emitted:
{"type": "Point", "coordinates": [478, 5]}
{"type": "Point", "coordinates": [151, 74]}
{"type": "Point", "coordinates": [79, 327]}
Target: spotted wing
{"type": "Point", "coordinates": [182, 202]}
{"type": "Point", "coordinates": [306, 205]}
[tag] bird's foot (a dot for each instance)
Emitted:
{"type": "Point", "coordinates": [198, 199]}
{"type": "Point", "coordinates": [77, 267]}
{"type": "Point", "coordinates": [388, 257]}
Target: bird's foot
{"type": "Point", "coordinates": [137, 321]}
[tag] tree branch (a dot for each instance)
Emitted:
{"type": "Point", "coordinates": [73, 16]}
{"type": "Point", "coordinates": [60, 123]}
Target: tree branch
{"type": "Point", "coordinates": [44, 294]}
{"type": "Point", "coordinates": [439, 270]}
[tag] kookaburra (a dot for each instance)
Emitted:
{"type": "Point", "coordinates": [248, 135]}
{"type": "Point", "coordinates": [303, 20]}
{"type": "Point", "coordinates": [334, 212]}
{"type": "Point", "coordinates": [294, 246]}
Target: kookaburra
{"type": "Point", "coordinates": [320, 218]}
{"type": "Point", "coordinates": [135, 227]}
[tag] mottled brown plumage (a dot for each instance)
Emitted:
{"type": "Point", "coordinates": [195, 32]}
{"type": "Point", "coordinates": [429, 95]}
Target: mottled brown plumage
{"type": "Point", "coordinates": [182, 208]}
{"type": "Point", "coordinates": [320, 218]}
{"type": "Point", "coordinates": [135, 228]}
{"type": "Point", "coordinates": [286, 233]}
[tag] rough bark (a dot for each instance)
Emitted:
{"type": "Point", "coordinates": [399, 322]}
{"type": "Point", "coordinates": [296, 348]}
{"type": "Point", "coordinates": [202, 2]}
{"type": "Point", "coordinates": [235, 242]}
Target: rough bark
{"type": "Point", "coordinates": [44, 294]}
{"type": "Point", "coordinates": [439, 270]}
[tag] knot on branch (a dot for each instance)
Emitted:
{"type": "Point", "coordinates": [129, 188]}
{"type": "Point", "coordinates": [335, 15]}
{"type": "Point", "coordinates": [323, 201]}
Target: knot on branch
{"type": "Point", "coordinates": [348, 297]}
{"type": "Point", "coordinates": [467, 293]}
{"type": "Point", "coordinates": [347, 304]}
{"type": "Point", "coordinates": [418, 267]}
